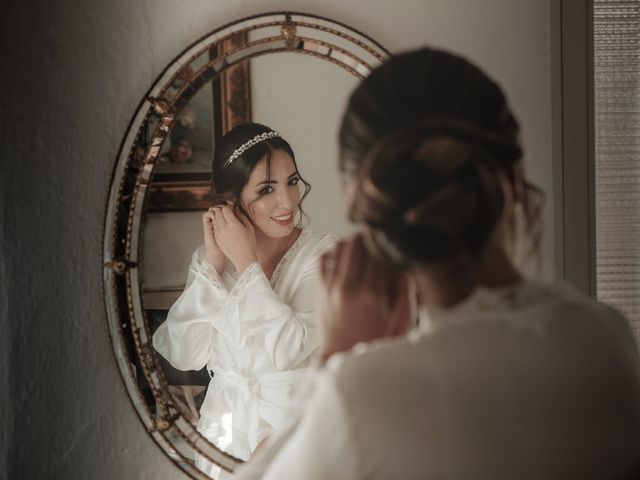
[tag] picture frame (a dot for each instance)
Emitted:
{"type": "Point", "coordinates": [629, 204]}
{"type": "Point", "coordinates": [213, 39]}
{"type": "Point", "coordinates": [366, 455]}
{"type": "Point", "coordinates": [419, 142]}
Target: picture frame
{"type": "Point", "coordinates": [182, 174]}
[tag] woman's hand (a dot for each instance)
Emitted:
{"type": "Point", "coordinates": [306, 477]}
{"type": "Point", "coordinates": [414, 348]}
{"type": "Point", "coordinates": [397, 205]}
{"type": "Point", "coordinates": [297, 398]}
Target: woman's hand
{"type": "Point", "coordinates": [362, 298]}
{"type": "Point", "coordinates": [235, 236]}
{"type": "Point", "coordinates": [213, 254]}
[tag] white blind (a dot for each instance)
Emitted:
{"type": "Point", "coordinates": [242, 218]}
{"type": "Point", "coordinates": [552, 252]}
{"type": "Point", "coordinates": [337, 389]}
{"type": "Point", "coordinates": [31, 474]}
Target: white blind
{"type": "Point", "coordinates": [617, 147]}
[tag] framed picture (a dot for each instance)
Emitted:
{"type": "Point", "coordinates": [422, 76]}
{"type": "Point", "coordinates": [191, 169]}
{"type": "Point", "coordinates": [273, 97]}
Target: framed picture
{"type": "Point", "coordinates": [182, 174]}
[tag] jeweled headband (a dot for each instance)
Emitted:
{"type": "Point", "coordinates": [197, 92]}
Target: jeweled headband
{"type": "Point", "coordinates": [248, 144]}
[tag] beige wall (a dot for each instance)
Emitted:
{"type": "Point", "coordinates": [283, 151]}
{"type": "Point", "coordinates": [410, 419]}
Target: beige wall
{"type": "Point", "coordinates": [303, 98]}
{"type": "Point", "coordinates": [78, 69]}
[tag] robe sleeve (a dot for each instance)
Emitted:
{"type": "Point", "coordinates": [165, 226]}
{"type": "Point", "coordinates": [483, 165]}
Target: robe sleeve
{"type": "Point", "coordinates": [286, 331]}
{"type": "Point", "coordinates": [185, 339]}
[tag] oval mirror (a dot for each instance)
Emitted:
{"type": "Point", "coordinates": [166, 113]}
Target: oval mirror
{"type": "Point", "coordinates": [288, 70]}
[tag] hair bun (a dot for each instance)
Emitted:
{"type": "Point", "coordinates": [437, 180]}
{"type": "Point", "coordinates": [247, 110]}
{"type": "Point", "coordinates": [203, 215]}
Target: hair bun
{"type": "Point", "coordinates": [427, 136]}
{"type": "Point", "coordinates": [431, 192]}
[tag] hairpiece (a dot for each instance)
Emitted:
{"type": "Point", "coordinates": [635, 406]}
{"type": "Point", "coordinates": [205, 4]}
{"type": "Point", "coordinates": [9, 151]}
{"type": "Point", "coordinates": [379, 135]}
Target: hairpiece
{"type": "Point", "coordinates": [248, 144]}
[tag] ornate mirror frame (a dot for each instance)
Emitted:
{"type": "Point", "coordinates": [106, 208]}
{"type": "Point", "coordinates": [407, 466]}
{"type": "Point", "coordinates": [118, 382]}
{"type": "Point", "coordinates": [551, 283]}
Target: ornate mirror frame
{"type": "Point", "coordinates": [128, 324]}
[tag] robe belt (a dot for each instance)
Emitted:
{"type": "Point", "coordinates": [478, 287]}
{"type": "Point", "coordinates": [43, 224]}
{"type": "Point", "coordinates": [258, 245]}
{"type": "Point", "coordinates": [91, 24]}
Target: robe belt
{"type": "Point", "coordinates": [249, 386]}
{"type": "Point", "coordinates": [273, 379]}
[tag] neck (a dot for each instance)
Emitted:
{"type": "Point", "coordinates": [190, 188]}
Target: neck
{"type": "Point", "coordinates": [446, 285]}
{"type": "Point", "coordinates": [269, 248]}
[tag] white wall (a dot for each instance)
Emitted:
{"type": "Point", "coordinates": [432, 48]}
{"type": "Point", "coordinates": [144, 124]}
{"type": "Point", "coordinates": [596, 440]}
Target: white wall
{"type": "Point", "coordinates": [304, 98]}
{"type": "Point", "coordinates": [76, 72]}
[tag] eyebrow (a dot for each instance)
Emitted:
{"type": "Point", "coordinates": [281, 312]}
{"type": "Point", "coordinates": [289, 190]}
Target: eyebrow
{"type": "Point", "coordinates": [268, 182]}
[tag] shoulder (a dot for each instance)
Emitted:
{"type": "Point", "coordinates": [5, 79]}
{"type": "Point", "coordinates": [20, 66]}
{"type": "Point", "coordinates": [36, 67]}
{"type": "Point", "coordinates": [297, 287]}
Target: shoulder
{"type": "Point", "coordinates": [539, 305]}
{"type": "Point", "coordinates": [394, 363]}
{"type": "Point", "coordinates": [392, 386]}
{"type": "Point", "coordinates": [313, 245]}
{"type": "Point", "coordinates": [301, 260]}
{"type": "Point", "coordinates": [319, 241]}
{"type": "Point", "coordinates": [603, 318]}
{"type": "Point", "coordinates": [567, 301]}
{"type": "Point", "coordinates": [547, 317]}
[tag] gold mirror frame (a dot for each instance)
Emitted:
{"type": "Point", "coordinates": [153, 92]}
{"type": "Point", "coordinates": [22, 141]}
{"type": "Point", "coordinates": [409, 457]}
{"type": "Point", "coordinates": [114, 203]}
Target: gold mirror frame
{"type": "Point", "coordinates": [128, 325]}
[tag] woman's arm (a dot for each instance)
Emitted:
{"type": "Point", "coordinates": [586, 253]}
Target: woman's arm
{"type": "Point", "coordinates": [363, 298]}
{"type": "Point", "coordinates": [287, 331]}
{"type": "Point", "coordinates": [185, 338]}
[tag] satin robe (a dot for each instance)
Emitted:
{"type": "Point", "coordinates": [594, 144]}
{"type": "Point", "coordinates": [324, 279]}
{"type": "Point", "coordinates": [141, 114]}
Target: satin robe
{"type": "Point", "coordinates": [256, 337]}
{"type": "Point", "coordinates": [528, 382]}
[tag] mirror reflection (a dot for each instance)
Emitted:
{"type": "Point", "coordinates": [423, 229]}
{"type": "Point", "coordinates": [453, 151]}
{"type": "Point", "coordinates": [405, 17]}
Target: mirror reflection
{"type": "Point", "coordinates": [228, 274]}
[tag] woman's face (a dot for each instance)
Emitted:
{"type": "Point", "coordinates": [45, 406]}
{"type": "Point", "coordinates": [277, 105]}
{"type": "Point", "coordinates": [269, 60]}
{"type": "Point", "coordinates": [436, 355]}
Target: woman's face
{"type": "Point", "coordinates": [272, 198]}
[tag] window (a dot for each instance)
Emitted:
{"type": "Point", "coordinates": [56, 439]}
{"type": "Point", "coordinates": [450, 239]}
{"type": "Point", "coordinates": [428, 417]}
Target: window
{"type": "Point", "coordinates": [617, 155]}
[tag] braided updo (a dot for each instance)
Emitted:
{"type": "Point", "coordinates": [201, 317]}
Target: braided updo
{"type": "Point", "coordinates": [429, 139]}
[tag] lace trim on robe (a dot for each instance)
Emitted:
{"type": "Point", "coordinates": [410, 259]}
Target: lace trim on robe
{"type": "Point", "coordinates": [509, 298]}
{"type": "Point", "coordinates": [251, 272]}
{"type": "Point", "coordinates": [515, 298]}
{"type": "Point", "coordinates": [287, 256]}
{"type": "Point", "coordinates": [254, 270]}
{"type": "Point", "coordinates": [210, 273]}
{"type": "Point", "coordinates": [486, 301]}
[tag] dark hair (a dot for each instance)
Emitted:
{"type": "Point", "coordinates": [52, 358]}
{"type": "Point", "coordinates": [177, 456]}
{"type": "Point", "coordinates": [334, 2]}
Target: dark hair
{"type": "Point", "coordinates": [228, 181]}
{"type": "Point", "coordinates": [428, 138]}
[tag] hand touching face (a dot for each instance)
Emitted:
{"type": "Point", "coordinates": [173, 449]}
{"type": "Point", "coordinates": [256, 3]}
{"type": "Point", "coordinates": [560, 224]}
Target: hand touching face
{"type": "Point", "coordinates": [213, 253]}
{"type": "Point", "coordinates": [234, 235]}
{"type": "Point", "coordinates": [362, 299]}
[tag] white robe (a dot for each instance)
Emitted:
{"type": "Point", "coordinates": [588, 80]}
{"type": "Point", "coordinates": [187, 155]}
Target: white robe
{"type": "Point", "coordinates": [532, 382]}
{"type": "Point", "coordinates": [256, 336]}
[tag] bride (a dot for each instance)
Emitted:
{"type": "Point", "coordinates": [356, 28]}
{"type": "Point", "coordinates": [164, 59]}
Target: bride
{"type": "Point", "coordinates": [247, 310]}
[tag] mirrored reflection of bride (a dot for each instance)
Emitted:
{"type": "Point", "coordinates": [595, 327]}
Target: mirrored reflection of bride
{"type": "Point", "coordinates": [247, 310]}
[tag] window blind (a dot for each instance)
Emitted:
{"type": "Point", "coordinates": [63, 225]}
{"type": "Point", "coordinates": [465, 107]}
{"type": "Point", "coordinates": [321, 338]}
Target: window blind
{"type": "Point", "coordinates": [616, 66]}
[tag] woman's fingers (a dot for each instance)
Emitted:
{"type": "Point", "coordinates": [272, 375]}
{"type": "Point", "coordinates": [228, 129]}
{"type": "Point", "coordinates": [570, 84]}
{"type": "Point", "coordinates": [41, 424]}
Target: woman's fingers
{"type": "Point", "coordinates": [209, 214]}
{"type": "Point", "coordinates": [218, 217]}
{"type": "Point", "coordinates": [237, 242]}
{"type": "Point", "coordinates": [352, 268]}
{"type": "Point", "coordinates": [207, 224]}
{"type": "Point", "coordinates": [329, 264]}
{"type": "Point", "coordinates": [227, 214]}
{"type": "Point", "coordinates": [243, 219]}
{"type": "Point", "coordinates": [364, 298]}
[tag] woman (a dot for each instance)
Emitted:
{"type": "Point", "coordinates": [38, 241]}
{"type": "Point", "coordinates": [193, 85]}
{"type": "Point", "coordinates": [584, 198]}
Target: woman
{"type": "Point", "coordinates": [505, 377]}
{"type": "Point", "coordinates": [247, 311]}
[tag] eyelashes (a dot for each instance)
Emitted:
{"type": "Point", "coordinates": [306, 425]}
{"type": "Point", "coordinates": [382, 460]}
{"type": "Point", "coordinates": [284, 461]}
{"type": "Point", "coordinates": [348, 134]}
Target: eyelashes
{"type": "Point", "coordinates": [267, 189]}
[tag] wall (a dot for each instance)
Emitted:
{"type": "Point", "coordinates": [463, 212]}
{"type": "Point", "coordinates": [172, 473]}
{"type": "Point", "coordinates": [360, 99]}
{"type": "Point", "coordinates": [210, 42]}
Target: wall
{"type": "Point", "coordinates": [73, 74]}
{"type": "Point", "coordinates": [303, 98]}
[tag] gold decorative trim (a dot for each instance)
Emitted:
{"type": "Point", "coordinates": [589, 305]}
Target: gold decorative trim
{"type": "Point", "coordinates": [119, 265]}
{"type": "Point", "coordinates": [161, 106]}
{"type": "Point", "coordinates": [288, 32]}
{"type": "Point", "coordinates": [161, 425]}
